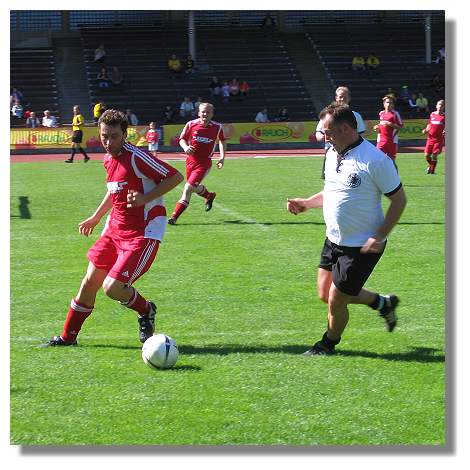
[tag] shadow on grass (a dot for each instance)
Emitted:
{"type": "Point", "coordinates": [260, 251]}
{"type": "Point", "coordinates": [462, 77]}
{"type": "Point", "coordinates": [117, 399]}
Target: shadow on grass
{"type": "Point", "coordinates": [246, 222]}
{"type": "Point", "coordinates": [427, 355]}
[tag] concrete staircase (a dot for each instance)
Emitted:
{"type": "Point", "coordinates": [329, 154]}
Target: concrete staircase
{"type": "Point", "coordinates": [72, 84]}
{"type": "Point", "coordinates": [311, 70]}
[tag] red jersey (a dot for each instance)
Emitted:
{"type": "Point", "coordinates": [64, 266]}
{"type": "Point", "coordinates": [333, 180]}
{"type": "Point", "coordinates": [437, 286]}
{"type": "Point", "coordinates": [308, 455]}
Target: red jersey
{"type": "Point", "coordinates": [437, 125]}
{"type": "Point", "coordinates": [203, 139]}
{"type": "Point", "coordinates": [135, 169]}
{"type": "Point", "coordinates": [152, 136]}
{"type": "Point", "coordinates": [387, 133]}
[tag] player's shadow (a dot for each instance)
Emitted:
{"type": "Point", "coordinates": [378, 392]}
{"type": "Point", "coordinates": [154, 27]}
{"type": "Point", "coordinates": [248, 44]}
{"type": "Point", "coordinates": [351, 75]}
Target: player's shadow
{"type": "Point", "coordinates": [248, 222]}
{"type": "Point", "coordinates": [23, 209]}
{"type": "Point", "coordinates": [419, 354]}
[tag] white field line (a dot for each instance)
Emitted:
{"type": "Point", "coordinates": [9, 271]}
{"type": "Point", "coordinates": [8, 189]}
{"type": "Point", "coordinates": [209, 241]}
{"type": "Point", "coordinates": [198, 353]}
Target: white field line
{"type": "Point", "coordinates": [241, 217]}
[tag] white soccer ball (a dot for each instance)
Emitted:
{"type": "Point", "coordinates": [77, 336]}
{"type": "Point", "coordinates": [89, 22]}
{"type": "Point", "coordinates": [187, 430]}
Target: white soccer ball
{"type": "Point", "coordinates": [160, 352]}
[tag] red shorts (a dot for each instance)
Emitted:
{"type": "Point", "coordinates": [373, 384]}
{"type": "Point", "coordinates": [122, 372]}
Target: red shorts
{"type": "Point", "coordinates": [197, 171]}
{"type": "Point", "coordinates": [125, 260]}
{"type": "Point", "coordinates": [433, 146]}
{"type": "Point", "coordinates": [389, 148]}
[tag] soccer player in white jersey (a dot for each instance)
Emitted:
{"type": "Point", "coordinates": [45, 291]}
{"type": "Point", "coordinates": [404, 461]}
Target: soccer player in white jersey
{"type": "Point", "coordinates": [136, 182]}
{"type": "Point", "coordinates": [342, 96]}
{"type": "Point", "coordinates": [356, 176]}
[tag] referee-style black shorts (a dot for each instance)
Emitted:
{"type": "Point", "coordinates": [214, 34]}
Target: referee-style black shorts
{"type": "Point", "coordinates": [350, 267]}
{"type": "Point", "coordinates": [77, 137]}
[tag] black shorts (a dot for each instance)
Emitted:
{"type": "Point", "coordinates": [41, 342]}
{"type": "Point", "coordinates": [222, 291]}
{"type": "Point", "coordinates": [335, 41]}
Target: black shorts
{"type": "Point", "coordinates": [77, 137]}
{"type": "Point", "coordinates": [350, 267]}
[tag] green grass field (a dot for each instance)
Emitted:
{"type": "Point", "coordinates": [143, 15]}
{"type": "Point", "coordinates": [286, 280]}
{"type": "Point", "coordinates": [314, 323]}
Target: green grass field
{"type": "Point", "coordinates": [236, 288]}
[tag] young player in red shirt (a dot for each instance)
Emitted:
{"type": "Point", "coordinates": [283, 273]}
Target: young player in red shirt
{"type": "Point", "coordinates": [436, 130]}
{"type": "Point", "coordinates": [388, 128]}
{"type": "Point", "coordinates": [136, 182]}
{"type": "Point", "coordinates": [152, 138]}
{"type": "Point", "coordinates": [198, 140]}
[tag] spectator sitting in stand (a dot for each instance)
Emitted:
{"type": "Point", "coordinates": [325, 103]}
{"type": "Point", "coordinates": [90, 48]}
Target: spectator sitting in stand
{"type": "Point", "coordinates": [215, 87]}
{"type": "Point", "coordinates": [391, 92]}
{"type": "Point", "coordinates": [198, 102]}
{"type": "Point", "coordinates": [100, 54]}
{"type": "Point", "coordinates": [268, 22]}
{"type": "Point", "coordinates": [404, 97]}
{"type": "Point", "coordinates": [244, 88]}
{"type": "Point", "coordinates": [234, 87]}
{"type": "Point", "coordinates": [190, 65]}
{"type": "Point", "coordinates": [174, 64]}
{"type": "Point", "coordinates": [168, 115]}
{"type": "Point", "coordinates": [441, 56]}
{"type": "Point", "coordinates": [132, 118]}
{"type": "Point", "coordinates": [412, 106]}
{"type": "Point", "coordinates": [103, 78]}
{"type": "Point", "coordinates": [422, 104]}
{"type": "Point", "coordinates": [15, 94]}
{"type": "Point", "coordinates": [437, 84]}
{"type": "Point", "coordinates": [48, 120]}
{"type": "Point", "coordinates": [358, 62]}
{"type": "Point", "coordinates": [283, 115]}
{"type": "Point", "coordinates": [98, 110]}
{"type": "Point", "coordinates": [32, 120]}
{"type": "Point", "coordinates": [262, 116]}
{"type": "Point", "coordinates": [187, 108]}
{"type": "Point", "coordinates": [373, 62]}
{"type": "Point", "coordinates": [17, 109]}
{"type": "Point", "coordinates": [225, 91]}
{"type": "Point", "coordinates": [116, 76]}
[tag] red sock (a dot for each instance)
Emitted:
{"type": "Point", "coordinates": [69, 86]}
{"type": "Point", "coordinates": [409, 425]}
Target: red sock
{"type": "Point", "coordinates": [138, 303]}
{"type": "Point", "coordinates": [179, 208]}
{"type": "Point", "coordinates": [204, 193]}
{"type": "Point", "coordinates": [76, 316]}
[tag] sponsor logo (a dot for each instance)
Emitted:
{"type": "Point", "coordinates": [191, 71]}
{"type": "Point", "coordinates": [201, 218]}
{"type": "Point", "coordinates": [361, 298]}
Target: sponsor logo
{"type": "Point", "coordinates": [125, 273]}
{"type": "Point", "coordinates": [271, 133]}
{"type": "Point", "coordinates": [204, 140]}
{"type": "Point", "coordinates": [116, 186]}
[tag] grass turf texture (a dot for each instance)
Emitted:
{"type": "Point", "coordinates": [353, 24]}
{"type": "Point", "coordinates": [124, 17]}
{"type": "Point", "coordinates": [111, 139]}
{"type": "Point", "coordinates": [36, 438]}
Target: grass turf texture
{"type": "Point", "coordinates": [236, 288]}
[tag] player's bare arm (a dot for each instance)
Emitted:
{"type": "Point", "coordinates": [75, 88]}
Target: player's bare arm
{"type": "Point", "coordinates": [86, 226]}
{"type": "Point", "coordinates": [298, 205]}
{"type": "Point", "coordinates": [136, 199]}
{"type": "Point", "coordinates": [394, 212]}
{"type": "Point", "coordinates": [222, 149]}
{"type": "Point", "coordinates": [187, 149]}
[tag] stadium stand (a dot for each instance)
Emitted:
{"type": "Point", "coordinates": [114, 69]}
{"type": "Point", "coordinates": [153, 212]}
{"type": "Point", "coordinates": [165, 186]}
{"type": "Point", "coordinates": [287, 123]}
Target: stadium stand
{"type": "Point", "coordinates": [141, 53]}
{"type": "Point", "coordinates": [32, 71]}
{"type": "Point", "coordinates": [400, 48]}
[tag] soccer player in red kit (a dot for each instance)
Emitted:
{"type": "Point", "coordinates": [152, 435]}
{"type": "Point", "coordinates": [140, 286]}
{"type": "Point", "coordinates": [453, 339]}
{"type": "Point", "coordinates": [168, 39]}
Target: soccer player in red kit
{"type": "Point", "coordinates": [436, 130]}
{"type": "Point", "coordinates": [388, 128]}
{"type": "Point", "coordinates": [136, 182]}
{"type": "Point", "coordinates": [198, 140]}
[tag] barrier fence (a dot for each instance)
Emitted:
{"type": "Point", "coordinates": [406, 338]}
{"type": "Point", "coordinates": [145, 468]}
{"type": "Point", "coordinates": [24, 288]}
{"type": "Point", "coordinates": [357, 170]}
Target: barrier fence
{"type": "Point", "coordinates": [236, 133]}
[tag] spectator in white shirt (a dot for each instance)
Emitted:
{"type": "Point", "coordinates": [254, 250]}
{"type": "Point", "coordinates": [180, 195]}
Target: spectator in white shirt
{"type": "Point", "coordinates": [132, 118]}
{"type": "Point", "coordinates": [262, 116]}
{"type": "Point", "coordinates": [48, 120]}
{"type": "Point", "coordinates": [187, 108]}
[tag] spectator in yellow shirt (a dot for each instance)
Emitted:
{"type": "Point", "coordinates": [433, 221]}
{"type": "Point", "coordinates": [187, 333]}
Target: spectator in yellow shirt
{"type": "Point", "coordinates": [174, 64]}
{"type": "Point", "coordinates": [98, 110]}
{"type": "Point", "coordinates": [358, 62]}
{"type": "Point", "coordinates": [373, 62]}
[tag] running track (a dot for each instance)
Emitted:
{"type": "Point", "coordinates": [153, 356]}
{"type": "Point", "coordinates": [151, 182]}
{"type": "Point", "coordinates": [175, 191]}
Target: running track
{"type": "Point", "coordinates": [181, 156]}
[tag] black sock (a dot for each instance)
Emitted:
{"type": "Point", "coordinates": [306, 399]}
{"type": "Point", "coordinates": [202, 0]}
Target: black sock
{"type": "Point", "coordinates": [73, 153]}
{"type": "Point", "coordinates": [329, 343]}
{"type": "Point", "coordinates": [83, 152]}
{"type": "Point", "coordinates": [378, 303]}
